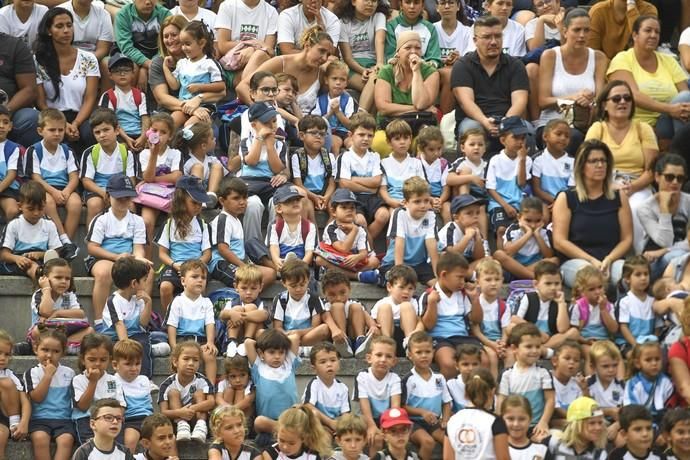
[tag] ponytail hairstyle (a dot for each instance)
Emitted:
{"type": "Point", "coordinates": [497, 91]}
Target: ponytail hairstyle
{"type": "Point", "coordinates": [49, 266]}
{"type": "Point", "coordinates": [190, 137]}
{"type": "Point", "coordinates": [313, 36]}
{"type": "Point", "coordinates": [644, 342]}
{"type": "Point", "coordinates": [44, 48]}
{"type": "Point", "coordinates": [301, 420]}
{"type": "Point", "coordinates": [479, 387]}
{"type": "Point", "coordinates": [54, 332]}
{"type": "Point", "coordinates": [200, 31]}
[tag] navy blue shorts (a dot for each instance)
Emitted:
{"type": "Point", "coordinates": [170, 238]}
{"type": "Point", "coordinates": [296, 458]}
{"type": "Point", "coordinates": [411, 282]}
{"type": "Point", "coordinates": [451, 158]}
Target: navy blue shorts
{"type": "Point", "coordinates": [54, 428]}
{"type": "Point", "coordinates": [454, 341]}
{"type": "Point", "coordinates": [499, 218]}
{"type": "Point", "coordinates": [134, 423]}
{"type": "Point", "coordinates": [170, 275]}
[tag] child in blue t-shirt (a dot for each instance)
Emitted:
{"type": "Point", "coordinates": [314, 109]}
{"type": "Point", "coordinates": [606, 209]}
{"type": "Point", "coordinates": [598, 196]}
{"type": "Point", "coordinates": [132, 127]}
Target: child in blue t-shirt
{"type": "Point", "coordinates": [633, 311]}
{"type": "Point", "coordinates": [9, 157]}
{"type": "Point", "coordinates": [399, 165]}
{"type": "Point", "coordinates": [552, 169]}
{"type": "Point", "coordinates": [463, 233]}
{"type": "Point", "coordinates": [291, 235]}
{"type": "Point", "coordinates": [336, 105]}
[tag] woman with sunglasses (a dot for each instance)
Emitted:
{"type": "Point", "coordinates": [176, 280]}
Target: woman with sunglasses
{"type": "Point", "coordinates": [633, 145]}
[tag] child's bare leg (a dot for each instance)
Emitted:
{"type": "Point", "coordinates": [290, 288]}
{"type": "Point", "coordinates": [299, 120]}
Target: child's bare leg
{"type": "Point", "coordinates": [31, 272]}
{"type": "Point", "coordinates": [4, 440]}
{"type": "Point", "coordinates": [585, 351]}
{"type": "Point", "coordinates": [308, 210]}
{"type": "Point", "coordinates": [445, 359]}
{"type": "Point", "coordinates": [210, 367]}
{"type": "Point", "coordinates": [215, 175]}
{"type": "Point", "coordinates": [483, 222]}
{"type": "Point", "coordinates": [73, 207]}
{"type": "Point", "coordinates": [264, 424]}
{"type": "Point", "coordinates": [64, 444]}
{"type": "Point", "coordinates": [51, 211]}
{"type": "Point", "coordinates": [77, 336]}
{"type": "Point", "coordinates": [424, 441]}
{"type": "Point", "coordinates": [197, 171]}
{"type": "Point", "coordinates": [513, 266]}
{"type": "Point", "coordinates": [376, 446]}
{"type": "Point", "coordinates": [380, 222]}
{"type": "Point", "coordinates": [372, 263]}
{"type": "Point", "coordinates": [385, 319]}
{"type": "Point", "coordinates": [131, 439]}
{"type": "Point", "coordinates": [316, 335]}
{"type": "Point", "coordinates": [10, 208]}
{"type": "Point", "coordinates": [103, 281]}
{"type": "Point", "coordinates": [446, 98]}
{"type": "Point", "coordinates": [366, 99]}
{"type": "Point", "coordinates": [409, 323]}
{"type": "Point", "coordinates": [174, 400]}
{"type": "Point", "coordinates": [9, 398]}
{"type": "Point", "coordinates": [250, 327]}
{"type": "Point", "coordinates": [167, 292]}
{"type": "Point", "coordinates": [356, 320]}
{"type": "Point", "coordinates": [192, 120]}
{"type": "Point", "coordinates": [149, 215]}
{"type": "Point", "coordinates": [445, 212]}
{"type": "Point", "coordinates": [338, 315]}
{"type": "Point", "coordinates": [198, 398]}
{"type": "Point", "coordinates": [94, 206]}
{"type": "Point", "coordinates": [268, 272]}
{"type": "Point", "coordinates": [234, 331]}
{"type": "Point", "coordinates": [40, 441]}
{"type": "Point", "coordinates": [179, 118]}
{"type": "Point", "coordinates": [557, 340]}
{"type": "Point", "coordinates": [499, 237]}
{"type": "Point", "coordinates": [493, 360]}
{"type": "Point", "coordinates": [508, 358]}
{"type": "Point", "coordinates": [336, 143]}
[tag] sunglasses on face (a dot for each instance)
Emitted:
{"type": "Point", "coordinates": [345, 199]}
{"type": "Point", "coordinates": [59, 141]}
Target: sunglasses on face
{"type": "Point", "coordinates": [673, 177]}
{"type": "Point", "coordinates": [620, 97]}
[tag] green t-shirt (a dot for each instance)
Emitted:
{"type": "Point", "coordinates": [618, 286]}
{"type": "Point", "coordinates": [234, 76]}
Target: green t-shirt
{"type": "Point", "coordinates": [399, 96]}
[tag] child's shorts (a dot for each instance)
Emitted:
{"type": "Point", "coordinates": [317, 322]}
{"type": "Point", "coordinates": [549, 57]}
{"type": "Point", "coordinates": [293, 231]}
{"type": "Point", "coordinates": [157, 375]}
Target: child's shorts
{"type": "Point", "coordinates": [254, 249]}
{"type": "Point", "coordinates": [4, 420]}
{"type": "Point", "coordinates": [134, 423]}
{"type": "Point", "coordinates": [499, 218]}
{"type": "Point", "coordinates": [86, 196]}
{"type": "Point", "coordinates": [10, 193]}
{"type": "Point", "coordinates": [455, 341]}
{"type": "Point", "coordinates": [367, 204]}
{"type": "Point", "coordinates": [170, 275]}
{"type": "Point", "coordinates": [8, 268]}
{"type": "Point", "coordinates": [89, 262]}
{"type": "Point", "coordinates": [422, 425]}
{"type": "Point", "coordinates": [54, 428]}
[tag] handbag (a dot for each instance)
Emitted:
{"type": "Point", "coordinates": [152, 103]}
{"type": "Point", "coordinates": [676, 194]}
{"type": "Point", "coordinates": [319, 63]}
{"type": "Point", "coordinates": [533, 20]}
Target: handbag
{"type": "Point", "coordinates": [575, 115]}
{"type": "Point", "coordinates": [231, 59]}
{"type": "Point", "coordinates": [416, 120]}
{"type": "Point", "coordinates": [157, 195]}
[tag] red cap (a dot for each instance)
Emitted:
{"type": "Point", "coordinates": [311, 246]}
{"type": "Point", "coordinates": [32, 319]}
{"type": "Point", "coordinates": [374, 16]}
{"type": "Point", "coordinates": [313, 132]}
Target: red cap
{"type": "Point", "coordinates": [394, 416]}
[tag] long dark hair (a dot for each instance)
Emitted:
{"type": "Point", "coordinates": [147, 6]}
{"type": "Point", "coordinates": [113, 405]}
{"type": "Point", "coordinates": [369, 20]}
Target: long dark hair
{"type": "Point", "coordinates": [44, 49]}
{"type": "Point", "coordinates": [348, 13]}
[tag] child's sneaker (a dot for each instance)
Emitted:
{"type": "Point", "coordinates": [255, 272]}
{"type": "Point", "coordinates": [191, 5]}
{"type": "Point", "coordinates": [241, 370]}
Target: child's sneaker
{"type": "Point", "coordinates": [50, 254]}
{"type": "Point", "coordinates": [184, 433]}
{"type": "Point", "coordinates": [212, 200]}
{"type": "Point", "coordinates": [344, 349]}
{"type": "Point", "coordinates": [160, 349]}
{"type": "Point", "coordinates": [304, 352]}
{"type": "Point", "coordinates": [70, 251]}
{"type": "Point", "coordinates": [153, 388]}
{"type": "Point", "coordinates": [368, 277]}
{"type": "Point", "coordinates": [361, 345]}
{"type": "Point", "coordinates": [241, 350]}
{"type": "Point", "coordinates": [290, 255]}
{"type": "Point", "coordinates": [200, 431]}
{"type": "Point", "coordinates": [231, 350]}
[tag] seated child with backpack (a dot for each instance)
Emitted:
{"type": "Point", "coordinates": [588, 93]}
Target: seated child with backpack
{"type": "Point", "coordinates": [291, 236]}
{"type": "Point", "coordinates": [463, 234]}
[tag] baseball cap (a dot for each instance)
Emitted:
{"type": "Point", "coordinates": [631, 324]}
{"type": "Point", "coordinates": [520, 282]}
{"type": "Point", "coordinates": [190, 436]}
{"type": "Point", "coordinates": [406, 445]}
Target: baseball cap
{"type": "Point", "coordinates": [262, 111]}
{"type": "Point", "coordinates": [583, 408]}
{"type": "Point", "coordinates": [514, 125]}
{"type": "Point", "coordinates": [394, 416]}
{"type": "Point", "coordinates": [343, 195]}
{"type": "Point", "coordinates": [462, 201]}
{"type": "Point", "coordinates": [285, 192]}
{"type": "Point", "coordinates": [119, 59]}
{"type": "Point", "coordinates": [120, 186]}
{"type": "Point", "coordinates": [193, 186]}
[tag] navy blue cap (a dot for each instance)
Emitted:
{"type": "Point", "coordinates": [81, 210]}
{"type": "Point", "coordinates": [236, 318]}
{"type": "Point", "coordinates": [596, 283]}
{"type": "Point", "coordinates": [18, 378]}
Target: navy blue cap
{"type": "Point", "coordinates": [343, 195]}
{"type": "Point", "coordinates": [262, 111]}
{"type": "Point", "coordinates": [513, 125]}
{"type": "Point", "coordinates": [120, 186]}
{"type": "Point", "coordinates": [119, 59]}
{"type": "Point", "coordinates": [193, 186]}
{"type": "Point", "coordinates": [462, 201]}
{"type": "Point", "coordinates": [285, 192]}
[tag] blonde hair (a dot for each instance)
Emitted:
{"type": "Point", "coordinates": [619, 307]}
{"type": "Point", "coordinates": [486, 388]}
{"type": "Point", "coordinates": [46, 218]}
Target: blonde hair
{"type": "Point", "coordinates": [248, 273]}
{"type": "Point", "coordinates": [313, 36]}
{"type": "Point", "coordinates": [219, 414]}
{"type": "Point", "coordinates": [583, 276]}
{"type": "Point", "coordinates": [414, 186]}
{"type": "Point", "coordinates": [573, 434]}
{"type": "Point", "coordinates": [350, 423]}
{"type": "Point", "coordinates": [602, 348]}
{"type": "Point", "coordinates": [488, 265]}
{"type": "Point", "coordinates": [6, 337]}
{"type": "Point", "coordinates": [301, 420]}
{"type": "Point", "coordinates": [336, 65]}
{"type": "Point", "coordinates": [127, 349]}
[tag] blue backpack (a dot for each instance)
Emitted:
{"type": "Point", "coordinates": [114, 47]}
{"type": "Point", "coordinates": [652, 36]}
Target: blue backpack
{"type": "Point", "coordinates": [28, 168]}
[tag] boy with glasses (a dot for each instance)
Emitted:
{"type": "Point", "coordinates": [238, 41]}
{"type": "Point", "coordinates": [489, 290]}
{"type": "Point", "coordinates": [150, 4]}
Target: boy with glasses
{"type": "Point", "coordinates": [106, 422]}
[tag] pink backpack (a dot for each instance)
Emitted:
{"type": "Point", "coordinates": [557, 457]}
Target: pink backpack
{"type": "Point", "coordinates": [583, 305]}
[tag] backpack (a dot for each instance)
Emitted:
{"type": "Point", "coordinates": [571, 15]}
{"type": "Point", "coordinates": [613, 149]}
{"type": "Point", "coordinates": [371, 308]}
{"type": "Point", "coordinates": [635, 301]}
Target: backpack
{"type": "Point", "coordinates": [28, 168]}
{"type": "Point", "coordinates": [136, 92]}
{"type": "Point", "coordinates": [96, 154]}
{"type": "Point", "coordinates": [516, 290]}
{"type": "Point", "coordinates": [322, 100]}
{"type": "Point", "coordinates": [8, 150]}
{"type": "Point", "coordinates": [501, 312]}
{"type": "Point", "coordinates": [304, 165]}
{"type": "Point", "coordinates": [583, 306]}
{"type": "Point", "coordinates": [532, 313]}
{"type": "Point", "coordinates": [304, 227]}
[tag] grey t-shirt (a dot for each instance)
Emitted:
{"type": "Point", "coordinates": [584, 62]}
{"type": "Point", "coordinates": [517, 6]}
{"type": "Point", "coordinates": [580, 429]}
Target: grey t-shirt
{"type": "Point", "coordinates": [156, 76]}
{"type": "Point", "coordinates": [662, 230]}
{"type": "Point", "coordinates": [15, 59]}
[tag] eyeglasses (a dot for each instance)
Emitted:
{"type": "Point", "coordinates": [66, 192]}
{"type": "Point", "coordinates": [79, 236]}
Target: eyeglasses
{"type": "Point", "coordinates": [269, 90]}
{"type": "Point", "coordinates": [672, 177]}
{"type": "Point", "coordinates": [316, 133]}
{"type": "Point", "coordinates": [597, 161]}
{"type": "Point", "coordinates": [111, 418]}
{"type": "Point", "coordinates": [620, 97]}
{"type": "Point", "coordinates": [489, 37]}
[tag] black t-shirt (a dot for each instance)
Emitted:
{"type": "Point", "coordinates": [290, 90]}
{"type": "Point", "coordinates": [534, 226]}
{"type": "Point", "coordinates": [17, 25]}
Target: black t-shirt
{"type": "Point", "coordinates": [594, 225]}
{"type": "Point", "coordinates": [15, 58]}
{"type": "Point", "coordinates": [492, 94]}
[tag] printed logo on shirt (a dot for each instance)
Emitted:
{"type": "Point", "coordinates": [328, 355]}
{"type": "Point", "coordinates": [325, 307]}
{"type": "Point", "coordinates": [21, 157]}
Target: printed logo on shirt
{"type": "Point", "coordinates": [439, 383]}
{"type": "Point", "coordinates": [111, 386]}
{"type": "Point", "coordinates": [445, 52]}
{"type": "Point", "coordinates": [360, 42]}
{"type": "Point", "coordinates": [249, 32]}
{"type": "Point", "coordinates": [425, 223]}
{"type": "Point", "coordinates": [616, 395]}
{"type": "Point", "coordinates": [469, 440]}
{"type": "Point", "coordinates": [566, 167]}
{"type": "Point", "coordinates": [192, 389]}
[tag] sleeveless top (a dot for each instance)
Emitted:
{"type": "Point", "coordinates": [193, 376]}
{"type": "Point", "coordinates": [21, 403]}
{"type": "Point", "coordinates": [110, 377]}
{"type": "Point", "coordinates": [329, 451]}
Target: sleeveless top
{"type": "Point", "coordinates": [307, 99]}
{"type": "Point", "coordinates": [564, 83]}
{"type": "Point", "coordinates": [587, 220]}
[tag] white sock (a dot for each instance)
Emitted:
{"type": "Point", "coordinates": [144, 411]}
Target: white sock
{"type": "Point", "coordinates": [182, 423]}
{"type": "Point", "coordinates": [14, 420]}
{"type": "Point", "coordinates": [64, 239]}
{"type": "Point", "coordinates": [200, 422]}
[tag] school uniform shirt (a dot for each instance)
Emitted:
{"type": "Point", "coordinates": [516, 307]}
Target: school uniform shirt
{"type": "Point", "coordinates": [361, 35]}
{"type": "Point", "coordinates": [513, 39]}
{"type": "Point", "coordinates": [109, 164]}
{"type": "Point", "coordinates": [543, 315]}
{"type": "Point", "coordinates": [529, 253]}
{"type": "Point", "coordinates": [456, 389]}
{"type": "Point", "coordinates": [21, 236]}
{"type": "Point", "coordinates": [471, 433]}
{"type": "Point", "coordinates": [291, 240]}
{"type": "Point", "coordinates": [415, 231]}
{"type": "Point", "coordinates": [386, 455]}
{"type": "Point", "coordinates": [559, 451]}
{"type": "Point", "coordinates": [89, 451]}
{"type": "Point", "coordinates": [611, 396]}
{"type": "Point", "coordinates": [238, 303]}
{"type": "Point", "coordinates": [275, 454]}
{"type": "Point", "coordinates": [224, 385]}
{"type": "Point", "coordinates": [198, 383]}
{"type": "Point", "coordinates": [202, 71]}
{"type": "Point", "coordinates": [96, 26]}
{"type": "Point", "coordinates": [501, 176]}
{"type": "Point", "coordinates": [191, 316]}
{"type": "Point", "coordinates": [57, 405]}
{"type": "Point", "coordinates": [452, 312]}
{"type": "Point", "coordinates": [348, 302]}
{"type": "Point", "coordinates": [332, 401]}
{"type": "Point", "coordinates": [394, 306]}
{"type": "Point", "coordinates": [352, 165]}
{"type": "Point", "coordinates": [127, 110]}
{"type": "Point", "coordinates": [458, 40]}
{"type": "Point", "coordinates": [206, 162]}
{"type": "Point", "coordinates": [190, 247]}
{"type": "Point", "coordinates": [9, 374]}
{"type": "Point", "coordinates": [247, 453]}
{"type": "Point", "coordinates": [396, 172]}
{"type": "Point", "coordinates": [339, 455]}
{"type": "Point", "coordinates": [550, 33]}
{"type": "Point", "coordinates": [555, 174]}
{"type": "Point", "coordinates": [9, 162]}
{"type": "Point", "coordinates": [106, 387]}
{"type": "Point", "coordinates": [137, 396]}
{"type": "Point", "coordinates": [637, 314]}
{"type": "Point", "coordinates": [622, 453]}
{"type": "Point", "coordinates": [317, 176]}
{"type": "Point", "coordinates": [594, 328]}
{"type": "Point", "coordinates": [10, 23]}
{"type": "Point", "coordinates": [166, 162]}
{"type": "Point", "coordinates": [204, 15]}
{"type": "Point", "coordinates": [276, 387]}
{"type": "Point", "coordinates": [296, 314]}
{"type": "Point", "coordinates": [115, 235]}
{"type": "Point", "coordinates": [261, 169]}
{"type": "Point", "coordinates": [492, 326]}
{"type": "Point", "coordinates": [531, 451]}
{"type": "Point", "coordinates": [450, 235]}
{"type": "Point", "coordinates": [332, 233]}
{"type": "Point", "coordinates": [430, 394]}
{"type": "Point", "coordinates": [530, 383]}
{"type": "Point", "coordinates": [652, 394]}
{"type": "Point", "coordinates": [66, 301]}
{"type": "Point", "coordinates": [476, 170]}
{"type": "Point", "coordinates": [435, 174]}
{"type": "Point", "coordinates": [378, 392]}
{"type": "Point", "coordinates": [117, 308]}
{"type": "Point", "coordinates": [346, 103]}
{"type": "Point", "coordinates": [245, 22]}
{"type": "Point", "coordinates": [566, 393]}
{"type": "Point", "coordinates": [226, 228]}
{"type": "Point", "coordinates": [53, 167]}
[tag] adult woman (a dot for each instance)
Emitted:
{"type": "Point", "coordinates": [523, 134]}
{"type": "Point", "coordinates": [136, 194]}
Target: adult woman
{"type": "Point", "coordinates": [579, 216]}
{"type": "Point", "coordinates": [571, 71]}
{"type": "Point", "coordinates": [406, 85]}
{"type": "Point", "coordinates": [169, 45]}
{"type": "Point", "coordinates": [658, 82]}
{"type": "Point", "coordinates": [679, 356]}
{"type": "Point", "coordinates": [665, 215]}
{"type": "Point", "coordinates": [67, 77]}
{"type": "Point", "coordinates": [305, 65]}
{"type": "Point", "coordinates": [632, 143]}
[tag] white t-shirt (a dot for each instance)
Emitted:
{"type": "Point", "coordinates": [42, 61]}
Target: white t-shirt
{"type": "Point", "coordinates": [201, 71]}
{"type": "Point", "coordinates": [394, 306]}
{"type": "Point", "coordinates": [471, 433]}
{"type": "Point", "coordinates": [106, 387]}
{"type": "Point", "coordinates": [73, 85]}
{"type": "Point", "coordinates": [531, 451]}
{"type": "Point", "coordinates": [27, 31]}
{"type": "Point", "coordinates": [458, 41]}
{"type": "Point", "coordinates": [360, 35]}
{"type": "Point", "coordinates": [292, 23]}
{"type": "Point", "coordinates": [353, 165]}
{"type": "Point", "coordinates": [550, 33]}
{"type": "Point", "coordinates": [247, 23]}
{"type": "Point", "coordinates": [204, 15]}
{"type": "Point", "coordinates": [513, 39]}
{"type": "Point", "coordinates": [167, 162]}
{"type": "Point", "coordinates": [208, 161]}
{"type": "Point", "coordinates": [96, 26]}
{"type": "Point", "coordinates": [115, 235]}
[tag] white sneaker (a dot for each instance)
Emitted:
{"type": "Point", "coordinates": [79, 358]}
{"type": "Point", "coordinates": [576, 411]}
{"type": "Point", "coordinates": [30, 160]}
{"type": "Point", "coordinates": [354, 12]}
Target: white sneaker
{"type": "Point", "coordinates": [304, 352]}
{"type": "Point", "coordinates": [232, 349]}
{"type": "Point", "coordinates": [153, 388]}
{"type": "Point", "coordinates": [200, 431]}
{"type": "Point", "coordinates": [361, 350]}
{"type": "Point", "coordinates": [290, 255]}
{"type": "Point", "coordinates": [241, 350]}
{"type": "Point", "coordinates": [344, 349]}
{"type": "Point", "coordinates": [50, 254]}
{"type": "Point", "coordinates": [184, 433]}
{"type": "Point", "coordinates": [160, 349]}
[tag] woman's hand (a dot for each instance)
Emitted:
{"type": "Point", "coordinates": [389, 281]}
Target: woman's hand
{"type": "Point", "coordinates": [169, 62]}
{"type": "Point", "coordinates": [680, 110]}
{"type": "Point", "coordinates": [72, 131]}
{"type": "Point", "coordinates": [584, 98]}
{"type": "Point", "coordinates": [666, 199]}
{"type": "Point", "coordinates": [203, 114]}
{"type": "Point", "coordinates": [190, 105]}
{"type": "Point", "coordinates": [415, 62]}
{"type": "Point", "coordinates": [278, 180]}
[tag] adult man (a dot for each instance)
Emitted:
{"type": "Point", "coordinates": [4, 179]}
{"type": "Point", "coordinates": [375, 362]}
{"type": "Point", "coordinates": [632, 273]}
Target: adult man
{"type": "Point", "coordinates": [18, 81]}
{"type": "Point", "coordinates": [488, 84]}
